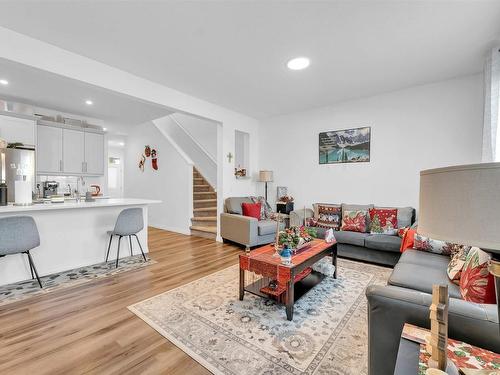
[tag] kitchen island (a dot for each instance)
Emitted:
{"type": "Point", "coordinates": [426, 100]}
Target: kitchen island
{"type": "Point", "coordinates": [72, 234]}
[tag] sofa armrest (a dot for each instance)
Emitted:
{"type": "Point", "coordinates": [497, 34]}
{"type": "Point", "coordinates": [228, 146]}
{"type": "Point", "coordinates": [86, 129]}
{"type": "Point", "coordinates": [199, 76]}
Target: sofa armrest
{"type": "Point", "coordinates": [390, 307]}
{"type": "Point", "coordinates": [297, 216]}
{"type": "Point", "coordinates": [238, 228]}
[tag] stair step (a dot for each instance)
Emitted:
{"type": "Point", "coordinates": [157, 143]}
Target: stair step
{"type": "Point", "coordinates": [202, 188]}
{"type": "Point", "coordinates": [204, 228]}
{"type": "Point", "coordinates": [205, 219]}
{"type": "Point", "coordinates": [205, 211]}
{"type": "Point", "coordinates": [199, 233]}
{"type": "Point", "coordinates": [205, 195]}
{"type": "Point", "coordinates": [205, 203]}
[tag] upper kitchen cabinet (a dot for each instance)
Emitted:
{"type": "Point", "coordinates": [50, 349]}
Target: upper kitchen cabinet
{"type": "Point", "coordinates": [49, 150]}
{"type": "Point", "coordinates": [94, 153]}
{"type": "Point", "coordinates": [69, 150]}
{"type": "Point", "coordinates": [73, 151]}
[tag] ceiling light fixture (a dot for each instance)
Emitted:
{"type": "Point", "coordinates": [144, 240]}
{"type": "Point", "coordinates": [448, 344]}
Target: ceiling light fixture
{"type": "Point", "coordinates": [89, 102]}
{"type": "Point", "coordinates": [4, 82]}
{"type": "Point", "coordinates": [104, 129]}
{"type": "Point", "coordinates": [298, 63]}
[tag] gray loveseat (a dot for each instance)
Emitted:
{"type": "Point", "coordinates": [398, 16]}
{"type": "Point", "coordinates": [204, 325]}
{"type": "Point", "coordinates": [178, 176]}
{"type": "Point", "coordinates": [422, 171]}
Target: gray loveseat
{"type": "Point", "coordinates": [376, 248]}
{"type": "Point", "coordinates": [244, 230]}
{"type": "Point", "coordinates": [407, 297]}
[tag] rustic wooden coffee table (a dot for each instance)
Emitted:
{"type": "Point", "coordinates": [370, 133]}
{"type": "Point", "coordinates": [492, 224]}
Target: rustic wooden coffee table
{"type": "Point", "coordinates": [294, 280]}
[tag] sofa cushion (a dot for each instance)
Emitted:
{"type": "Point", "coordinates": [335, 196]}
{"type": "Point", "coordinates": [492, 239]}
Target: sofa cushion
{"type": "Point", "coordinates": [233, 204]}
{"type": "Point", "coordinates": [251, 210]}
{"type": "Point", "coordinates": [351, 238]}
{"type": "Point", "coordinates": [358, 207]}
{"type": "Point", "coordinates": [425, 259]}
{"type": "Point", "coordinates": [328, 215]}
{"type": "Point", "coordinates": [405, 215]}
{"type": "Point", "coordinates": [354, 221]}
{"type": "Point", "coordinates": [265, 227]}
{"type": "Point", "coordinates": [383, 242]}
{"type": "Point", "coordinates": [421, 278]}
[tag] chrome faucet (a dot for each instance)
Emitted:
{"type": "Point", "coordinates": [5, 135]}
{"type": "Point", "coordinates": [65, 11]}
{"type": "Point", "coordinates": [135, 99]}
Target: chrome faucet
{"type": "Point", "coordinates": [80, 181]}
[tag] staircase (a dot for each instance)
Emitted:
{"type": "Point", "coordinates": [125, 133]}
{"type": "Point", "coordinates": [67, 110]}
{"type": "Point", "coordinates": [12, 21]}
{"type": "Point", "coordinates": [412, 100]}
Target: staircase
{"type": "Point", "coordinates": [204, 220]}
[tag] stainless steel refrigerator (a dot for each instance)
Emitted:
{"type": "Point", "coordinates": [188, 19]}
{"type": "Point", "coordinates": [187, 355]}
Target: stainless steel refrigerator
{"type": "Point", "coordinates": [14, 163]}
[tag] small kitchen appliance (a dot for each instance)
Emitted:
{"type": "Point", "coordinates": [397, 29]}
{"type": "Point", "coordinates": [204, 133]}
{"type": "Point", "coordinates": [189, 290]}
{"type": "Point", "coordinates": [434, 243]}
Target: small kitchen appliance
{"type": "Point", "coordinates": [50, 188]}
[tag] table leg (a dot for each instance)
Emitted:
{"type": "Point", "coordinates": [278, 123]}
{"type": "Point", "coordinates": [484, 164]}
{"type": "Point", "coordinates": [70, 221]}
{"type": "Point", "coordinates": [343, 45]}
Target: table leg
{"type": "Point", "coordinates": [334, 260]}
{"type": "Point", "coordinates": [242, 283]}
{"type": "Point", "coordinates": [290, 299]}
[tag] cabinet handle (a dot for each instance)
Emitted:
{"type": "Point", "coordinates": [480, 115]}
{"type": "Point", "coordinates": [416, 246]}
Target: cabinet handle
{"type": "Point", "coordinates": [86, 167]}
{"type": "Point", "coordinates": [83, 166]}
{"type": "Point", "coordinates": [60, 165]}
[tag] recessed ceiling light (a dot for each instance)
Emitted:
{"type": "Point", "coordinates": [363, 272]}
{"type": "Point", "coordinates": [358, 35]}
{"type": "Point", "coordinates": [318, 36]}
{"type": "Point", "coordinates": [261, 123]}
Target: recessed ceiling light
{"type": "Point", "coordinates": [104, 129]}
{"type": "Point", "coordinates": [4, 82]}
{"type": "Point", "coordinates": [121, 144]}
{"type": "Point", "coordinates": [89, 102]}
{"type": "Point", "coordinates": [298, 63]}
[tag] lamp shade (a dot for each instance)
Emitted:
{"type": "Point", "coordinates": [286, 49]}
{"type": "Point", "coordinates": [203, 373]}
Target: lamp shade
{"type": "Point", "coordinates": [265, 176]}
{"type": "Point", "coordinates": [461, 204]}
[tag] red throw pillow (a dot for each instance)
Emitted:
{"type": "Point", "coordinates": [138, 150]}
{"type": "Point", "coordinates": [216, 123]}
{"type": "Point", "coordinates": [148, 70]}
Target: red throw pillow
{"type": "Point", "coordinates": [354, 221]}
{"type": "Point", "coordinates": [383, 220]}
{"type": "Point", "coordinates": [408, 240]}
{"type": "Point", "coordinates": [476, 283]}
{"type": "Point", "coordinates": [251, 210]}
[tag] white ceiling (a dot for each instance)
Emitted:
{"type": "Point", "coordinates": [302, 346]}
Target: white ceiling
{"type": "Point", "coordinates": [47, 90]}
{"type": "Point", "coordinates": [233, 53]}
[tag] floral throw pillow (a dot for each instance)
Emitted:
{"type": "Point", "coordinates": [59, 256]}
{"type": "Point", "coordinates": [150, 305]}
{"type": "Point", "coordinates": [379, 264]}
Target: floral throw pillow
{"type": "Point", "coordinates": [458, 257]}
{"type": "Point", "coordinates": [433, 246]}
{"type": "Point", "coordinates": [383, 221]}
{"type": "Point", "coordinates": [476, 282]}
{"type": "Point", "coordinates": [354, 221]}
{"type": "Point", "coordinates": [266, 212]}
{"type": "Point", "coordinates": [328, 215]}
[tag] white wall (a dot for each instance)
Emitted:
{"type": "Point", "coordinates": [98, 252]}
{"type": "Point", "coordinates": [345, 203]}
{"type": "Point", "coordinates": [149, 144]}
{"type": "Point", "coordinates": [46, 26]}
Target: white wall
{"type": "Point", "coordinates": [171, 183]}
{"type": "Point", "coordinates": [189, 147]}
{"type": "Point", "coordinates": [203, 131]}
{"type": "Point", "coordinates": [421, 127]}
{"type": "Point", "coordinates": [14, 129]}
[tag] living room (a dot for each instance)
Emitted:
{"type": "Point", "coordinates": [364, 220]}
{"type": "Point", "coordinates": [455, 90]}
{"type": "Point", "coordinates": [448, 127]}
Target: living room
{"type": "Point", "coordinates": [375, 121]}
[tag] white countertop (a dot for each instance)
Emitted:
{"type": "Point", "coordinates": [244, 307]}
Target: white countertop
{"type": "Point", "coordinates": [74, 205]}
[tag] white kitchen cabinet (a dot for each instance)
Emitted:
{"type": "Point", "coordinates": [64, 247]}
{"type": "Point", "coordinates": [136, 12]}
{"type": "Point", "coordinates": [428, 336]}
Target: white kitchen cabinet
{"type": "Point", "coordinates": [69, 150]}
{"type": "Point", "coordinates": [73, 151]}
{"type": "Point", "coordinates": [94, 153]}
{"type": "Point", "coordinates": [49, 150]}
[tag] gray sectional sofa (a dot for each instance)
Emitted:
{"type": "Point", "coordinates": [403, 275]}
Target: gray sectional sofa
{"type": "Point", "coordinates": [375, 248]}
{"type": "Point", "coordinates": [244, 230]}
{"type": "Point", "coordinates": [407, 298]}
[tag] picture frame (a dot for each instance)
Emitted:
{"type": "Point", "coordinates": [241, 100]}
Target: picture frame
{"type": "Point", "coordinates": [345, 146]}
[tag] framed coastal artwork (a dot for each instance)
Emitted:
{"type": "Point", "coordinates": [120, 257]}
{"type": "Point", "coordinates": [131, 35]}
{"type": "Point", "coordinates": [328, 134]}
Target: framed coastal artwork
{"type": "Point", "coordinates": [345, 146]}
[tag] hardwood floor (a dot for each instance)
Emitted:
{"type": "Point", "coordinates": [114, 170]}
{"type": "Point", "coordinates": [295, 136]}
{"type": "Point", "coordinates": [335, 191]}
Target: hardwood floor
{"type": "Point", "coordinates": [88, 329]}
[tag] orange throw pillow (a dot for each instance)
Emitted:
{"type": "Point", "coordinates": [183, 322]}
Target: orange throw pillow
{"type": "Point", "coordinates": [251, 210]}
{"type": "Point", "coordinates": [476, 282]}
{"type": "Point", "coordinates": [408, 240]}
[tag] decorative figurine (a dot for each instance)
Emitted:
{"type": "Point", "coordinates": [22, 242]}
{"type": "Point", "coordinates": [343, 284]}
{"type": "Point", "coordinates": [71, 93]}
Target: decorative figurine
{"type": "Point", "coordinates": [141, 163]}
{"type": "Point", "coordinates": [439, 331]}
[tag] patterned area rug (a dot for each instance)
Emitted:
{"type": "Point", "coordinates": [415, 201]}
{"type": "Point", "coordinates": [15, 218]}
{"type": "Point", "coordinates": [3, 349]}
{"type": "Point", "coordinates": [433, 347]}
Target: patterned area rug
{"type": "Point", "coordinates": [328, 334]}
{"type": "Point", "coordinates": [29, 288]}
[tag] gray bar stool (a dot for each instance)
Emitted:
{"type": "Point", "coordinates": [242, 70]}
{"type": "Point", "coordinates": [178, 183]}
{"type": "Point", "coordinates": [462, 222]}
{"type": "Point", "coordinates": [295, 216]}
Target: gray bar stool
{"type": "Point", "coordinates": [128, 223]}
{"type": "Point", "coordinates": [19, 235]}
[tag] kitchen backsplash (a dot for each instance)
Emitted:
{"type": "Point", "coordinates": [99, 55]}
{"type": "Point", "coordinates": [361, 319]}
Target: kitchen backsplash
{"type": "Point", "coordinates": [72, 181]}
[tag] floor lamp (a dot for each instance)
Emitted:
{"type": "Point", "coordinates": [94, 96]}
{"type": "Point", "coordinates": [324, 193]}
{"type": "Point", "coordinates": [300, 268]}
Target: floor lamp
{"type": "Point", "coordinates": [461, 204]}
{"type": "Point", "coordinates": [266, 176]}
